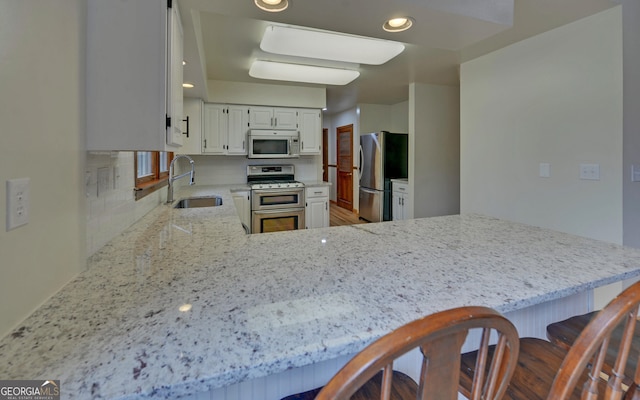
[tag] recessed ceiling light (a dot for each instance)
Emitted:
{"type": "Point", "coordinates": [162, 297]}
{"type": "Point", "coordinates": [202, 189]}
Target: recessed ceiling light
{"type": "Point", "coordinates": [325, 45]}
{"type": "Point", "coordinates": [398, 24]}
{"type": "Point", "coordinates": [272, 5]}
{"type": "Point", "coordinates": [184, 62]}
{"type": "Point", "coordinates": [301, 73]}
{"type": "Point", "coordinates": [187, 85]}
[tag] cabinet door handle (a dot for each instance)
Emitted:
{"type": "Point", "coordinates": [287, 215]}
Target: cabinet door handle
{"type": "Point", "coordinates": [276, 124]}
{"type": "Point", "coordinates": [205, 143]}
{"type": "Point", "coordinates": [317, 192]}
{"type": "Point", "coordinates": [187, 131]}
{"type": "Point", "coordinates": [243, 145]}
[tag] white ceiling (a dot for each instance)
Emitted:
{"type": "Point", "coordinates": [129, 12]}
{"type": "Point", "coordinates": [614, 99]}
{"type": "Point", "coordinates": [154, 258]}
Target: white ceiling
{"type": "Point", "coordinates": [222, 38]}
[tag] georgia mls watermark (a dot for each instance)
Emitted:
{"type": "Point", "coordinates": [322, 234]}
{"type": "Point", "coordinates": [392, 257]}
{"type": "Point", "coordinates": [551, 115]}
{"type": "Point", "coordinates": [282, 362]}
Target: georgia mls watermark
{"type": "Point", "coordinates": [29, 390]}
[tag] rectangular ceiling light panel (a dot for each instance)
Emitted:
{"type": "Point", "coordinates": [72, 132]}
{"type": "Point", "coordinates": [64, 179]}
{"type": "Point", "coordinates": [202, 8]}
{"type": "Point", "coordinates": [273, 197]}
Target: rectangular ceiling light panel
{"type": "Point", "coordinates": [301, 73]}
{"type": "Point", "coordinates": [328, 45]}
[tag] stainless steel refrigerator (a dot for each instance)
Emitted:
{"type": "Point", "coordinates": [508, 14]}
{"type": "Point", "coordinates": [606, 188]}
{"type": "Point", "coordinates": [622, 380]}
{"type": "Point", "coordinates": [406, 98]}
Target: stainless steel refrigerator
{"type": "Point", "coordinates": [383, 156]}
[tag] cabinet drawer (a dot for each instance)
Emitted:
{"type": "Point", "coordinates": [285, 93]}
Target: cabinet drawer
{"type": "Point", "coordinates": [400, 187]}
{"type": "Point", "coordinates": [318, 191]}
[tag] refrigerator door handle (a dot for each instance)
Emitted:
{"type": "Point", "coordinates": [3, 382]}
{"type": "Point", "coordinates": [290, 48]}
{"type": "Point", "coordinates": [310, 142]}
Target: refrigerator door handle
{"type": "Point", "coordinates": [360, 163]}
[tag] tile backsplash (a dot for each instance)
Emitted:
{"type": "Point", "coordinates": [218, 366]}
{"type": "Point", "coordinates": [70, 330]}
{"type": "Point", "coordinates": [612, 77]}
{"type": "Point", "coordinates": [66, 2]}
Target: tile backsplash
{"type": "Point", "coordinates": [111, 206]}
{"type": "Point", "coordinates": [109, 182]}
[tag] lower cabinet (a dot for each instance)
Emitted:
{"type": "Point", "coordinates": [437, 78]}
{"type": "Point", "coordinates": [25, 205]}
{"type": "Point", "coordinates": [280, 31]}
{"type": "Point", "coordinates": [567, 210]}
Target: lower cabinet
{"type": "Point", "coordinates": [242, 201]}
{"type": "Point", "coordinates": [401, 198]}
{"type": "Point", "coordinates": [317, 207]}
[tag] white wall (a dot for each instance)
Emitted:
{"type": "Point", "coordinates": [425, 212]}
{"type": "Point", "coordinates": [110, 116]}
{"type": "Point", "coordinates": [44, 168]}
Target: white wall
{"type": "Point", "coordinates": [265, 94]}
{"type": "Point", "coordinates": [434, 150]}
{"type": "Point", "coordinates": [41, 109]}
{"type": "Point", "coordinates": [555, 98]}
{"type": "Point", "coordinates": [631, 146]}
{"type": "Point", "coordinates": [400, 117]}
{"type": "Point", "coordinates": [374, 118]}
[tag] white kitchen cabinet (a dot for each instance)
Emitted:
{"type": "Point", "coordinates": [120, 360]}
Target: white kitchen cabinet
{"type": "Point", "coordinates": [133, 69]}
{"type": "Point", "coordinates": [401, 200]}
{"type": "Point", "coordinates": [237, 128]}
{"type": "Point", "coordinates": [174, 84]}
{"type": "Point", "coordinates": [192, 126]}
{"type": "Point", "coordinates": [317, 207]}
{"type": "Point", "coordinates": [273, 118]}
{"type": "Point", "coordinates": [225, 129]}
{"type": "Point", "coordinates": [242, 201]}
{"type": "Point", "coordinates": [310, 123]}
{"type": "Point", "coordinates": [215, 129]}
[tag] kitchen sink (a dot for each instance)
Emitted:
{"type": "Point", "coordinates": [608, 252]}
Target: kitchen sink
{"type": "Point", "coordinates": [193, 202]}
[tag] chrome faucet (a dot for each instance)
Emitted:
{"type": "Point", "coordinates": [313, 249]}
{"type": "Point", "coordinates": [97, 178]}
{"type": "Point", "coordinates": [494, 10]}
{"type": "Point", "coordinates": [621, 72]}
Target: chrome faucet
{"type": "Point", "coordinates": [175, 178]}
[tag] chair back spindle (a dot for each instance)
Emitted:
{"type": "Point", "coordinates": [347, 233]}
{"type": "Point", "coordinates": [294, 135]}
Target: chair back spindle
{"type": "Point", "coordinates": [589, 351]}
{"type": "Point", "coordinates": [440, 338]}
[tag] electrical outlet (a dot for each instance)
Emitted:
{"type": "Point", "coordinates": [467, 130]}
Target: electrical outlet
{"type": "Point", "coordinates": [17, 202]}
{"type": "Point", "coordinates": [103, 180]}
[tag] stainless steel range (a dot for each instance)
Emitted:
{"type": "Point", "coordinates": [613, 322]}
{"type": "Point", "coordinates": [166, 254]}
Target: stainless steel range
{"type": "Point", "coordinates": [277, 200]}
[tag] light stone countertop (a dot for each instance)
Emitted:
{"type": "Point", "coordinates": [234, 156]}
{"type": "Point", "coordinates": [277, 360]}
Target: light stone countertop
{"type": "Point", "coordinates": [310, 184]}
{"type": "Point", "coordinates": [263, 303]}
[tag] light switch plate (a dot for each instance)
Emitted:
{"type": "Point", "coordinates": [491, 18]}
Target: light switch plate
{"type": "Point", "coordinates": [17, 202]}
{"type": "Point", "coordinates": [545, 170]}
{"type": "Point", "coordinates": [635, 172]}
{"type": "Point", "coordinates": [590, 172]}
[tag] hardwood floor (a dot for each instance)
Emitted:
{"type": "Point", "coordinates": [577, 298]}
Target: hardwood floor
{"type": "Point", "coordinates": [341, 216]}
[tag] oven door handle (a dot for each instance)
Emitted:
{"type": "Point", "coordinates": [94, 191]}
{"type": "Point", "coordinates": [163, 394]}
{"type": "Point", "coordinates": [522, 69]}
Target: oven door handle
{"type": "Point", "coordinates": [278, 211]}
{"type": "Point", "coordinates": [279, 191]}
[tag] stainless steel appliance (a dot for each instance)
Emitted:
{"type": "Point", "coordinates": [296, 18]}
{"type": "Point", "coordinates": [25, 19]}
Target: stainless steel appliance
{"type": "Point", "coordinates": [383, 156]}
{"type": "Point", "coordinates": [270, 143]}
{"type": "Point", "coordinates": [277, 200]}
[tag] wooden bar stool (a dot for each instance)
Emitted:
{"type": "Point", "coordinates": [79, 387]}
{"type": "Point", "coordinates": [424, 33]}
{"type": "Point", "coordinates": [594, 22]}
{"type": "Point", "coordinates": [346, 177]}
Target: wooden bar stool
{"type": "Point", "coordinates": [440, 338]}
{"type": "Point", "coordinates": [548, 371]}
{"type": "Point", "coordinates": [564, 333]}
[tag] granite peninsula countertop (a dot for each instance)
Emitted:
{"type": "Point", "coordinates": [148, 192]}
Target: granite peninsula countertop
{"type": "Point", "coordinates": [185, 301]}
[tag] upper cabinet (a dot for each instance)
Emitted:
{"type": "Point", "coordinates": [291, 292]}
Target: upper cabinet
{"type": "Point", "coordinates": [225, 129]}
{"type": "Point", "coordinates": [237, 127]}
{"type": "Point", "coordinates": [192, 126]}
{"type": "Point", "coordinates": [273, 118]}
{"type": "Point", "coordinates": [225, 126]}
{"type": "Point", "coordinates": [310, 122]}
{"type": "Point", "coordinates": [174, 83]}
{"type": "Point", "coordinates": [134, 75]}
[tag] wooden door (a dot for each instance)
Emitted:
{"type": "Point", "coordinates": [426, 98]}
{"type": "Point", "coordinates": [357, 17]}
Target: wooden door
{"type": "Point", "coordinates": [344, 151]}
{"type": "Point", "coordinates": [325, 155]}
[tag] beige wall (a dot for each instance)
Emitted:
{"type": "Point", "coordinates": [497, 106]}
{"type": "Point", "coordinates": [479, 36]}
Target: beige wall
{"type": "Point", "coordinates": [41, 109]}
{"type": "Point", "coordinates": [265, 94]}
{"type": "Point", "coordinates": [434, 150]}
{"type": "Point", "coordinates": [631, 146]}
{"type": "Point", "coordinates": [555, 98]}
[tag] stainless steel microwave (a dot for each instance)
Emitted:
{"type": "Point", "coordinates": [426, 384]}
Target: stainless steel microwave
{"type": "Point", "coordinates": [270, 143]}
